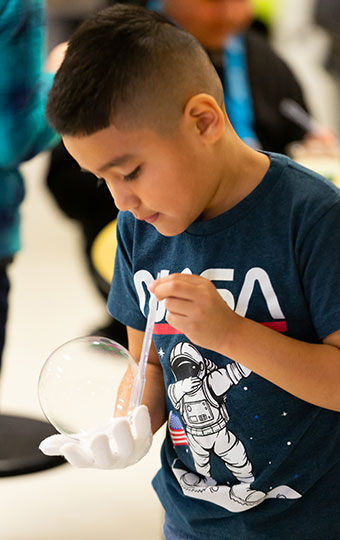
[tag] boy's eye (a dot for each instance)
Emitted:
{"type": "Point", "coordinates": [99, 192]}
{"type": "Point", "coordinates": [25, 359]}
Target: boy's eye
{"type": "Point", "coordinates": [134, 174]}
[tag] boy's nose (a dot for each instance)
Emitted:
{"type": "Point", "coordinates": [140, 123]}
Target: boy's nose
{"type": "Point", "coordinates": [124, 199]}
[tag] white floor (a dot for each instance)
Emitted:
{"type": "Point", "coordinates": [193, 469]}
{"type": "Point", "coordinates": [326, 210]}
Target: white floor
{"type": "Point", "coordinates": [53, 300]}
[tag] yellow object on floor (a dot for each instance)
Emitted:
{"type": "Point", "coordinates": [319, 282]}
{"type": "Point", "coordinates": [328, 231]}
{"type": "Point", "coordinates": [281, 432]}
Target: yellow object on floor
{"type": "Point", "coordinates": [103, 251]}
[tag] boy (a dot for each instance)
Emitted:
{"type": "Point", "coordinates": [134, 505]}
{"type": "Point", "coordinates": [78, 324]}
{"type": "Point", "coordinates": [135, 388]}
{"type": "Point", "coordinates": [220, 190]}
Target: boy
{"type": "Point", "coordinates": [245, 361]}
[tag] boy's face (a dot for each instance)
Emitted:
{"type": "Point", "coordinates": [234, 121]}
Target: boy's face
{"type": "Point", "coordinates": [211, 21]}
{"type": "Point", "coordinates": [166, 181]}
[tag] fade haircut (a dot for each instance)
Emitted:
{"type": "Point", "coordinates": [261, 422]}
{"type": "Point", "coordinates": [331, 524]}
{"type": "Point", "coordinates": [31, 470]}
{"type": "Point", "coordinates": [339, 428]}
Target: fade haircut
{"type": "Point", "coordinates": [130, 67]}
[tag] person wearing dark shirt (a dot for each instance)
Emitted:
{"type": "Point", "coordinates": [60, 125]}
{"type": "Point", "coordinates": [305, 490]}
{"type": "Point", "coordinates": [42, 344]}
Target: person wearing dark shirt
{"type": "Point", "coordinates": [224, 29]}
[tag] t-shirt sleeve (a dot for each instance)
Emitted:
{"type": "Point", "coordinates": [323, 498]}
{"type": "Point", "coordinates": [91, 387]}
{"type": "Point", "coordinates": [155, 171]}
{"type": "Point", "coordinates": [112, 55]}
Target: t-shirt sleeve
{"type": "Point", "coordinates": [320, 270]}
{"type": "Point", "coordinates": [123, 302]}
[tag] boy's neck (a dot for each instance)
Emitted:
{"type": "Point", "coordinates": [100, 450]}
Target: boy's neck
{"type": "Point", "coordinates": [241, 172]}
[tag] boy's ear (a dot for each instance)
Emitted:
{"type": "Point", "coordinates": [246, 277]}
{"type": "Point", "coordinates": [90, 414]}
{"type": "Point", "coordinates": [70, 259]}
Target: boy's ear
{"type": "Point", "coordinates": [205, 116]}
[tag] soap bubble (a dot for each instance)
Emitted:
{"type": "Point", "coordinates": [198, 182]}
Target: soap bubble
{"type": "Point", "coordinates": [79, 382]}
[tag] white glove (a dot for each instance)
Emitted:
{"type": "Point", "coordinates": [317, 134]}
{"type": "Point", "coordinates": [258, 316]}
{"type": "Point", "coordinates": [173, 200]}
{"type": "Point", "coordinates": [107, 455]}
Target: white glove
{"type": "Point", "coordinates": [123, 442]}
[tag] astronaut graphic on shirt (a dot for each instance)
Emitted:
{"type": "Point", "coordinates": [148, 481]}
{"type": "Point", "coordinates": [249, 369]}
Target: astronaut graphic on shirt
{"type": "Point", "coordinates": [199, 394]}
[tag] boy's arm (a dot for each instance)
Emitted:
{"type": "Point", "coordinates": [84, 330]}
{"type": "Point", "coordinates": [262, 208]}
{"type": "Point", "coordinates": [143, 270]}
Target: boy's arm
{"type": "Point", "coordinates": [309, 371]}
{"type": "Point", "coordinates": [154, 392]}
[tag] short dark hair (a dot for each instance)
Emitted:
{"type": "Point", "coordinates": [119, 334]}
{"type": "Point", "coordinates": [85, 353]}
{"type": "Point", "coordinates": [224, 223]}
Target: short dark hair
{"type": "Point", "coordinates": [127, 65]}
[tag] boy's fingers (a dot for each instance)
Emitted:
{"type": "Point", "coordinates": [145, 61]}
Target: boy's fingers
{"type": "Point", "coordinates": [182, 286]}
{"type": "Point", "coordinates": [174, 290]}
{"type": "Point", "coordinates": [178, 306]}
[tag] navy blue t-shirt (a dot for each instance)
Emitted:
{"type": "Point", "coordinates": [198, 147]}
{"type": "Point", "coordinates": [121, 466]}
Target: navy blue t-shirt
{"type": "Point", "coordinates": [242, 458]}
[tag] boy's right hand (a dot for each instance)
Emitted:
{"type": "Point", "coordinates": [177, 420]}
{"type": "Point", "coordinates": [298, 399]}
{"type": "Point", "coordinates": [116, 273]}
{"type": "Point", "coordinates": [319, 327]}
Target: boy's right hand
{"type": "Point", "coordinates": [123, 442]}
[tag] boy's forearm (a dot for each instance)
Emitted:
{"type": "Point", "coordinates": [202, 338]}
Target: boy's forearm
{"type": "Point", "coordinates": [308, 371]}
{"type": "Point", "coordinates": [154, 392]}
{"type": "Point", "coordinates": [154, 396]}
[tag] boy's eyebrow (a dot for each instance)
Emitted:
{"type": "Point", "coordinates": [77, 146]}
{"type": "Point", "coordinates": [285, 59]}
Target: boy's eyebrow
{"type": "Point", "coordinates": [115, 162]}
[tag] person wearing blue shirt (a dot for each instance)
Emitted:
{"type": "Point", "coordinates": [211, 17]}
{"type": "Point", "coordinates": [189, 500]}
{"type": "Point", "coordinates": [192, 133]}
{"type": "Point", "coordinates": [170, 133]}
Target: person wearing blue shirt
{"type": "Point", "coordinates": [255, 80]}
{"type": "Point", "coordinates": [240, 249]}
{"type": "Point", "coordinates": [24, 130]}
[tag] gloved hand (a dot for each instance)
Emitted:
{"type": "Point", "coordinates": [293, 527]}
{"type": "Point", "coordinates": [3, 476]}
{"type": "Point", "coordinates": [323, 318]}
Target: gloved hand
{"type": "Point", "coordinates": [123, 442]}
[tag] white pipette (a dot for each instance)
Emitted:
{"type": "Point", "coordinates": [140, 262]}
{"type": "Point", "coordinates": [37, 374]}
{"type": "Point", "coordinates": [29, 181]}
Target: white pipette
{"type": "Point", "coordinates": [294, 112]}
{"type": "Point", "coordinates": [139, 381]}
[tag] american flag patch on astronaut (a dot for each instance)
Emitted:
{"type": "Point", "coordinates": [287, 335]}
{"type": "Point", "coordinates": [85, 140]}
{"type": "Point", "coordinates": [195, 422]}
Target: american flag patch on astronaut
{"type": "Point", "coordinates": [176, 430]}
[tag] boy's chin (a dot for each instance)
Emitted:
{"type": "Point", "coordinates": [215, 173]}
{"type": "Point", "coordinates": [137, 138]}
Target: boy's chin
{"type": "Point", "coordinates": [169, 230]}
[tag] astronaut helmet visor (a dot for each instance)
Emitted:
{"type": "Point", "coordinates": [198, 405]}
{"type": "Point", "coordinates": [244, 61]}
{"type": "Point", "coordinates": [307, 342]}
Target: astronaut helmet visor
{"type": "Point", "coordinates": [184, 367]}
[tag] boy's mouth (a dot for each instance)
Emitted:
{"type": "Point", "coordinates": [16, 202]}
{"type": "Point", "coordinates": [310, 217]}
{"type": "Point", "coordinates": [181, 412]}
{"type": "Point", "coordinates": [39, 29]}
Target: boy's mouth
{"type": "Point", "coordinates": [152, 218]}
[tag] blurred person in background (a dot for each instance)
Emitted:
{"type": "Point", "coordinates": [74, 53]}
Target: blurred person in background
{"type": "Point", "coordinates": [24, 131]}
{"type": "Point", "coordinates": [255, 81]}
{"type": "Point", "coordinates": [304, 45]}
{"type": "Point", "coordinates": [254, 78]}
{"type": "Point", "coordinates": [265, 12]}
{"type": "Point", "coordinates": [63, 17]}
{"type": "Point", "coordinates": [327, 15]}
